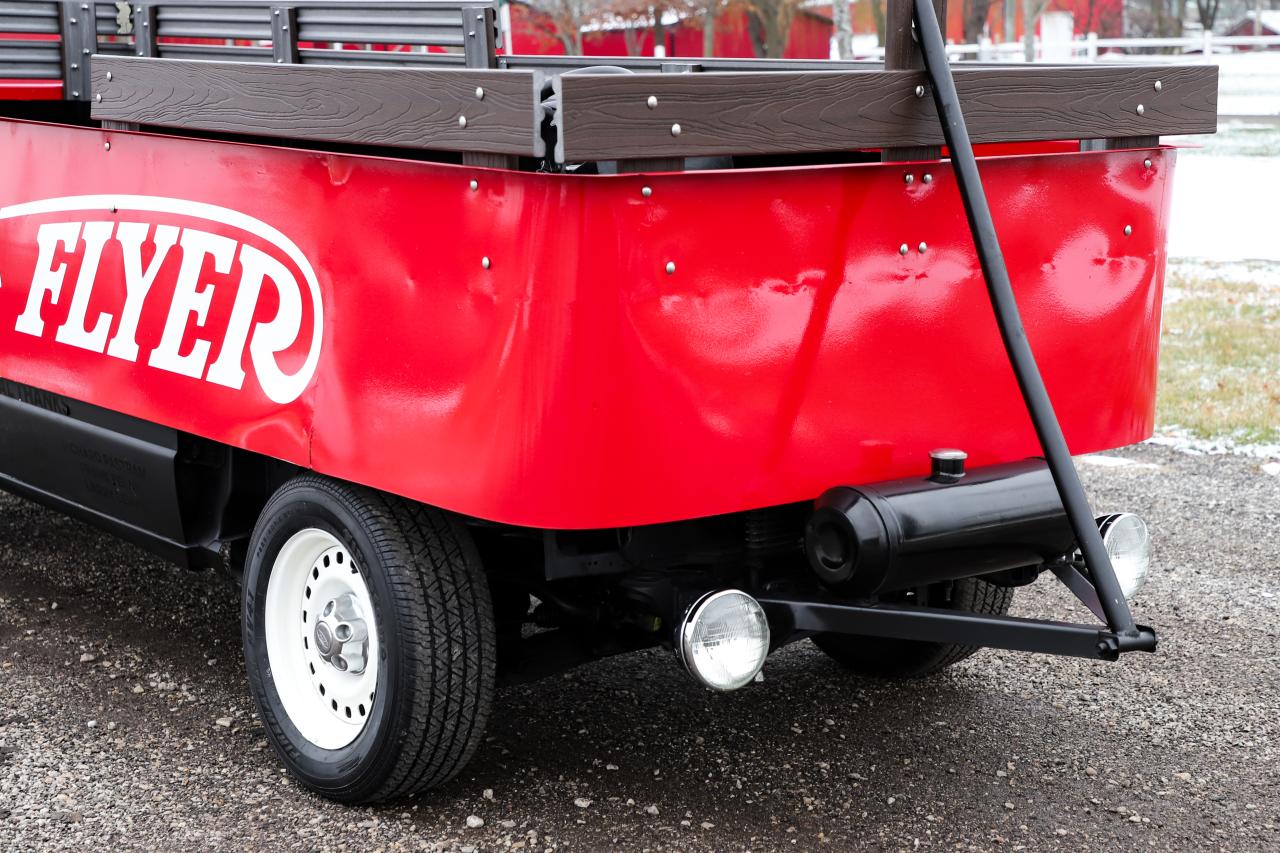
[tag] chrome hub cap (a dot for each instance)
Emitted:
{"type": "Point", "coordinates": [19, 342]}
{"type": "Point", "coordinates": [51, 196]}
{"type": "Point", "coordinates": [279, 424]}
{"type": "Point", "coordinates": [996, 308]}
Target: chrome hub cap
{"type": "Point", "coordinates": [341, 637]}
{"type": "Point", "coordinates": [321, 639]}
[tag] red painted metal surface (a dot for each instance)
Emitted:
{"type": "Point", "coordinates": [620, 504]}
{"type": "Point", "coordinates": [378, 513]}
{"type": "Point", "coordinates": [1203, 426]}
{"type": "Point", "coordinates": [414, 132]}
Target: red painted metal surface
{"type": "Point", "coordinates": [574, 382]}
{"type": "Point", "coordinates": [30, 90]}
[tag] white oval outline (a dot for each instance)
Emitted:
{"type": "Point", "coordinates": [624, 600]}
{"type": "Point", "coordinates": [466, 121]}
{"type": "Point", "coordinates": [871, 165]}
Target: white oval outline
{"type": "Point", "coordinates": [199, 210]}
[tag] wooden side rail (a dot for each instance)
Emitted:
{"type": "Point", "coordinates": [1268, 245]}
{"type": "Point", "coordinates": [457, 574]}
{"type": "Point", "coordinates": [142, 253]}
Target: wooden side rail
{"type": "Point", "coordinates": [618, 116]}
{"type": "Point", "coordinates": [473, 110]}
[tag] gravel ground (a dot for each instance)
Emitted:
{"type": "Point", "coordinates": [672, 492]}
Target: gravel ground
{"type": "Point", "coordinates": [125, 722]}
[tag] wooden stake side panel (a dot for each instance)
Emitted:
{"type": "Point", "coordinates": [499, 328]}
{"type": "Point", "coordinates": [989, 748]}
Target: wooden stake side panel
{"type": "Point", "coordinates": [617, 116]}
{"type": "Point", "coordinates": [478, 110]}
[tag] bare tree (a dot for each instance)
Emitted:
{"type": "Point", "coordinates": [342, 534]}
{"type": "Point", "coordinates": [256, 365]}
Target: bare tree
{"type": "Point", "coordinates": [843, 23]}
{"type": "Point", "coordinates": [567, 18]}
{"type": "Point", "coordinates": [877, 15]}
{"type": "Point", "coordinates": [710, 10]}
{"type": "Point", "coordinates": [641, 16]}
{"type": "Point", "coordinates": [975, 18]}
{"type": "Point", "coordinates": [1166, 16]}
{"type": "Point", "coordinates": [1031, 12]}
{"type": "Point", "coordinates": [632, 34]}
{"type": "Point", "coordinates": [1208, 11]}
{"type": "Point", "coordinates": [1089, 12]}
{"type": "Point", "coordinates": [769, 25]}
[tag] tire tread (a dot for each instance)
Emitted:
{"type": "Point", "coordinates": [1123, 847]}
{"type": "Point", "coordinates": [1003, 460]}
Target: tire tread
{"type": "Point", "coordinates": [444, 619]}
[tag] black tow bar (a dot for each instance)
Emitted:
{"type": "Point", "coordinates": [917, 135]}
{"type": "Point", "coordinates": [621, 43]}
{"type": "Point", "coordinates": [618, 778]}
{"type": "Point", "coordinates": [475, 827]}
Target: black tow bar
{"type": "Point", "coordinates": [796, 616]}
{"type": "Point", "coordinates": [1021, 359]}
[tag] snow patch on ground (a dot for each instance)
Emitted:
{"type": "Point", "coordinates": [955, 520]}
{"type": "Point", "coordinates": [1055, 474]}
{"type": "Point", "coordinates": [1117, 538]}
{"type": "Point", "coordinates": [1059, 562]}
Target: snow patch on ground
{"type": "Point", "coordinates": [1248, 83]}
{"type": "Point", "coordinates": [1263, 273]}
{"type": "Point", "coordinates": [1180, 439]}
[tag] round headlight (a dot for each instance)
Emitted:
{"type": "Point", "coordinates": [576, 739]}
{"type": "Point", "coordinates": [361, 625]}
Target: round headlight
{"type": "Point", "coordinates": [724, 639]}
{"type": "Point", "coordinates": [1129, 543]}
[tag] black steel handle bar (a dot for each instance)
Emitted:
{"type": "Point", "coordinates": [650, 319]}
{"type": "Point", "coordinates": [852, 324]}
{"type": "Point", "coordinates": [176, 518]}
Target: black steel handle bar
{"type": "Point", "coordinates": [1014, 335]}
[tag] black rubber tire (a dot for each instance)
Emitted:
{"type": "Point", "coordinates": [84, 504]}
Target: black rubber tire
{"type": "Point", "coordinates": [435, 635]}
{"type": "Point", "coordinates": [880, 657]}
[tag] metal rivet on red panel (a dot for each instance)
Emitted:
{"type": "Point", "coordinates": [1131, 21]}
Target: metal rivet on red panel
{"type": "Point", "coordinates": [924, 247]}
{"type": "Point", "coordinates": [1146, 164]}
{"type": "Point", "coordinates": [1128, 229]}
{"type": "Point", "coordinates": [903, 249]}
{"type": "Point", "coordinates": [908, 178]}
{"type": "Point", "coordinates": [928, 178]}
{"type": "Point", "coordinates": [484, 262]}
{"type": "Point", "coordinates": [646, 191]}
{"type": "Point", "coordinates": [475, 185]}
{"type": "Point", "coordinates": [106, 146]}
{"type": "Point", "coordinates": [671, 267]}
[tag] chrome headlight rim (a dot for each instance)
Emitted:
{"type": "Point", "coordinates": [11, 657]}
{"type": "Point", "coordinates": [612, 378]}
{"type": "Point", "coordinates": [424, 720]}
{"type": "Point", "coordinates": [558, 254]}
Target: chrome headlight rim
{"type": "Point", "coordinates": [688, 627]}
{"type": "Point", "coordinates": [1111, 527]}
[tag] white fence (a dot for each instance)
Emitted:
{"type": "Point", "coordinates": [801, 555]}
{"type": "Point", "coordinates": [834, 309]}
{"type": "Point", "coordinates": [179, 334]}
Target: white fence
{"type": "Point", "coordinates": [1091, 47]}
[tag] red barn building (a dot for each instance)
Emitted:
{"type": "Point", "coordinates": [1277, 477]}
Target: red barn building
{"type": "Point", "coordinates": [1269, 24]}
{"type": "Point", "coordinates": [533, 32]}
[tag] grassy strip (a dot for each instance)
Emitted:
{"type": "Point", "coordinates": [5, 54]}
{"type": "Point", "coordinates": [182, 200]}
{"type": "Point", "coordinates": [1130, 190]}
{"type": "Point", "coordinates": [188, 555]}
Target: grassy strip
{"type": "Point", "coordinates": [1220, 359]}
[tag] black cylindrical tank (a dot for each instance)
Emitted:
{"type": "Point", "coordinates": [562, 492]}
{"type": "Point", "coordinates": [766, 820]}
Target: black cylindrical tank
{"type": "Point", "coordinates": [905, 533]}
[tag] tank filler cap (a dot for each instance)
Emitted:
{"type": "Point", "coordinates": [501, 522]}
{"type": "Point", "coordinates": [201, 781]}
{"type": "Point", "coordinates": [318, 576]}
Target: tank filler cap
{"type": "Point", "coordinates": [947, 465]}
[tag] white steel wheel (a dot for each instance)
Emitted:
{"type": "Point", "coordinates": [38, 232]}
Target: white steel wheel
{"type": "Point", "coordinates": [322, 638]}
{"type": "Point", "coordinates": [368, 639]}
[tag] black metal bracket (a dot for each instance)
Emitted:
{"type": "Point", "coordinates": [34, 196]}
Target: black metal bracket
{"type": "Point", "coordinates": [1080, 587]}
{"type": "Point", "coordinates": [1111, 601]}
{"type": "Point", "coordinates": [284, 35]}
{"type": "Point", "coordinates": [78, 24]}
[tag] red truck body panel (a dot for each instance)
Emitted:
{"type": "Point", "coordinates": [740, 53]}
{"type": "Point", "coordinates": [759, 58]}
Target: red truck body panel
{"type": "Point", "coordinates": [338, 312]}
{"type": "Point", "coordinates": [30, 90]}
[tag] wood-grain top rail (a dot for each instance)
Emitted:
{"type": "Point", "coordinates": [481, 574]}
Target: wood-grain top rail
{"type": "Point", "coordinates": [479, 110]}
{"type": "Point", "coordinates": [616, 116]}
{"type": "Point", "coordinates": [650, 116]}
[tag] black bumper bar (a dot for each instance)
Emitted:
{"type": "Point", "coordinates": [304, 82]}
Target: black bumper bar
{"type": "Point", "coordinates": [790, 615]}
